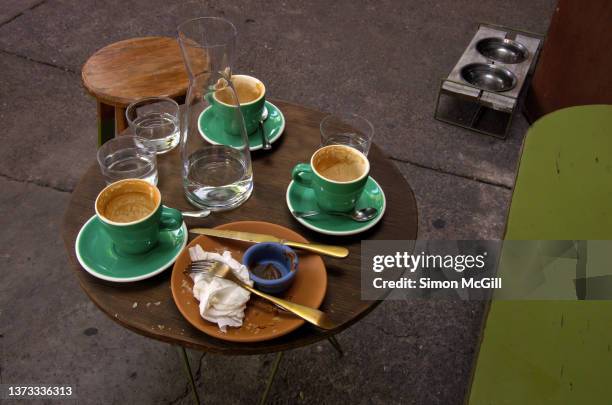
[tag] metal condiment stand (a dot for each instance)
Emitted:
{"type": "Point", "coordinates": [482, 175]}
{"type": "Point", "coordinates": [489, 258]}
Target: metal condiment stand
{"type": "Point", "coordinates": [483, 90]}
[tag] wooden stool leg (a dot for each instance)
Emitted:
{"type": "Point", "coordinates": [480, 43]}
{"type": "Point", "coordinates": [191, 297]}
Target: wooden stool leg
{"type": "Point", "coordinates": [120, 121]}
{"type": "Point", "coordinates": [106, 123]}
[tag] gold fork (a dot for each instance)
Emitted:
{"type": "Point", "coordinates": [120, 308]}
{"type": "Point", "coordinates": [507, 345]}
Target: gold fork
{"type": "Point", "coordinates": [222, 270]}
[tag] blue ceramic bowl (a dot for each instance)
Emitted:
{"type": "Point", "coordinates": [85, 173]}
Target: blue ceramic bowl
{"type": "Point", "coordinates": [283, 258]}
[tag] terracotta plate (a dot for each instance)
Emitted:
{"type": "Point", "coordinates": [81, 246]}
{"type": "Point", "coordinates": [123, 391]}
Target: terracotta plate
{"type": "Point", "coordinates": [263, 321]}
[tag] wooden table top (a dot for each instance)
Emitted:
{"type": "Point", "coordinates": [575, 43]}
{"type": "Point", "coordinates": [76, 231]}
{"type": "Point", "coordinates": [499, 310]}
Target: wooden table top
{"type": "Point", "coordinates": [128, 70]}
{"type": "Point", "coordinates": [272, 174]}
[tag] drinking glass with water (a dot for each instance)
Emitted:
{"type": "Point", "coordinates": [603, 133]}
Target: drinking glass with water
{"type": "Point", "coordinates": [347, 129]}
{"type": "Point", "coordinates": [128, 157]}
{"type": "Point", "coordinates": [155, 119]}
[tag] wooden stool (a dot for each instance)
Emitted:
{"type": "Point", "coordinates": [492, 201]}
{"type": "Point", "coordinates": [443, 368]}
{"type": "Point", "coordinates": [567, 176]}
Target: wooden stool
{"type": "Point", "coordinates": [125, 71]}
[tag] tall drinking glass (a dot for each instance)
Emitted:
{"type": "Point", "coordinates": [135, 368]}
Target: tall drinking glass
{"type": "Point", "coordinates": [216, 177]}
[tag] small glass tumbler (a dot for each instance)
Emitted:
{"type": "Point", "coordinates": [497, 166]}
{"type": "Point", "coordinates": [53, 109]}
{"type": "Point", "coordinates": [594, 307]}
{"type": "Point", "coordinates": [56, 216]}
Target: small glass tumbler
{"type": "Point", "coordinates": [128, 157]}
{"type": "Point", "coordinates": [155, 119]}
{"type": "Point", "coordinates": [348, 129]}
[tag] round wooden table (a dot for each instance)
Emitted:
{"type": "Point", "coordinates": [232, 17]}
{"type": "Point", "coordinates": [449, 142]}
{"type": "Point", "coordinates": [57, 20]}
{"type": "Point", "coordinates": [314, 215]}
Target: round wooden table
{"type": "Point", "coordinates": [272, 174]}
{"type": "Point", "coordinates": [125, 71]}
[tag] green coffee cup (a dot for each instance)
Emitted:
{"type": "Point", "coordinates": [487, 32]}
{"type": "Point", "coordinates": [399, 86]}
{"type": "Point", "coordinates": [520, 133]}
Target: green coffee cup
{"type": "Point", "coordinates": [252, 96]}
{"type": "Point", "coordinates": [337, 174]}
{"type": "Point", "coordinates": [131, 213]}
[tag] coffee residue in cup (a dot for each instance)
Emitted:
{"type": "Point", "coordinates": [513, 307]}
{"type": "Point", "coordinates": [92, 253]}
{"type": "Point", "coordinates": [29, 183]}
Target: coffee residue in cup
{"type": "Point", "coordinates": [267, 271]}
{"type": "Point", "coordinates": [247, 90]}
{"type": "Point", "coordinates": [127, 201]}
{"type": "Point", "coordinates": [129, 207]}
{"type": "Point", "coordinates": [339, 163]}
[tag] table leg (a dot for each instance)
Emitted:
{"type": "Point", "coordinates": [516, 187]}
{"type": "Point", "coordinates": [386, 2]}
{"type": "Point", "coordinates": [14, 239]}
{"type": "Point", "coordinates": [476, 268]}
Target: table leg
{"type": "Point", "coordinates": [120, 120]}
{"type": "Point", "coordinates": [194, 391]}
{"type": "Point", "coordinates": [336, 345]}
{"type": "Point", "coordinates": [264, 397]}
{"type": "Point", "coordinates": [106, 123]}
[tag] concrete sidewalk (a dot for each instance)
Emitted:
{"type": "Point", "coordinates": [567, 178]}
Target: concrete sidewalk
{"type": "Point", "coordinates": [381, 59]}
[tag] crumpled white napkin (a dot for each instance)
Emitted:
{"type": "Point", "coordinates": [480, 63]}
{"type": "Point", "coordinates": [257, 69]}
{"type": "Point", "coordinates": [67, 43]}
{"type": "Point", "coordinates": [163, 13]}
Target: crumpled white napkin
{"type": "Point", "coordinates": [221, 301]}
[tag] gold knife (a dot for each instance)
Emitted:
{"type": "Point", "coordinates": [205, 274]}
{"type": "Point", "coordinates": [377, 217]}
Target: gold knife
{"type": "Point", "coordinates": [333, 251]}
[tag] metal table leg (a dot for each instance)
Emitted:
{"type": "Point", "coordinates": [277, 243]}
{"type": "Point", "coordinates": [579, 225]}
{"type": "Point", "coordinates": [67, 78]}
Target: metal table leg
{"type": "Point", "coordinates": [264, 397]}
{"type": "Point", "coordinates": [194, 391]}
{"type": "Point", "coordinates": [336, 345]}
{"type": "Point", "coordinates": [273, 372]}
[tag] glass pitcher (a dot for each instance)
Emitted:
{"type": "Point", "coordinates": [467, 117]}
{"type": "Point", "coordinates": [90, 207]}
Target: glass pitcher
{"type": "Point", "coordinates": [215, 176]}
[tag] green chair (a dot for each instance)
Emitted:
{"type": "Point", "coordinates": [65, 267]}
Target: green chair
{"type": "Point", "coordinates": [554, 352]}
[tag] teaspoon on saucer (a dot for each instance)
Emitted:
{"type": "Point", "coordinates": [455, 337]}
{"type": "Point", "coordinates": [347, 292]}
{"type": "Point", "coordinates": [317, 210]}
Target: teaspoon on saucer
{"type": "Point", "coordinates": [266, 145]}
{"type": "Point", "coordinates": [196, 214]}
{"type": "Point", "coordinates": [360, 215]}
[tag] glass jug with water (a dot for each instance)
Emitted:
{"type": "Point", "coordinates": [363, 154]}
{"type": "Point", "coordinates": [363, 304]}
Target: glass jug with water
{"type": "Point", "coordinates": [217, 172]}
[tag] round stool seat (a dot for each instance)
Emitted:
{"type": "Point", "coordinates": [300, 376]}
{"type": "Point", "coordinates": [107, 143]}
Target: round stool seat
{"type": "Point", "coordinates": [125, 71]}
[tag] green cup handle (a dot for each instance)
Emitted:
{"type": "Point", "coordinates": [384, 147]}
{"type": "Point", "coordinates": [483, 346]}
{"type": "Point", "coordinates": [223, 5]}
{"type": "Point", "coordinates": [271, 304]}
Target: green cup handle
{"type": "Point", "coordinates": [302, 174]}
{"type": "Point", "coordinates": [171, 219]}
{"type": "Point", "coordinates": [209, 98]}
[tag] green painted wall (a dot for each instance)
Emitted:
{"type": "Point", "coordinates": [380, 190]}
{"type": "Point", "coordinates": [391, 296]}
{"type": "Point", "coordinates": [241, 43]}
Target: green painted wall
{"type": "Point", "coordinates": [555, 352]}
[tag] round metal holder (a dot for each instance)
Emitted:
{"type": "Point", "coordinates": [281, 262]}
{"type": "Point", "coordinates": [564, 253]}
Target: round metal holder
{"type": "Point", "coordinates": [488, 77]}
{"type": "Point", "coordinates": [502, 50]}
